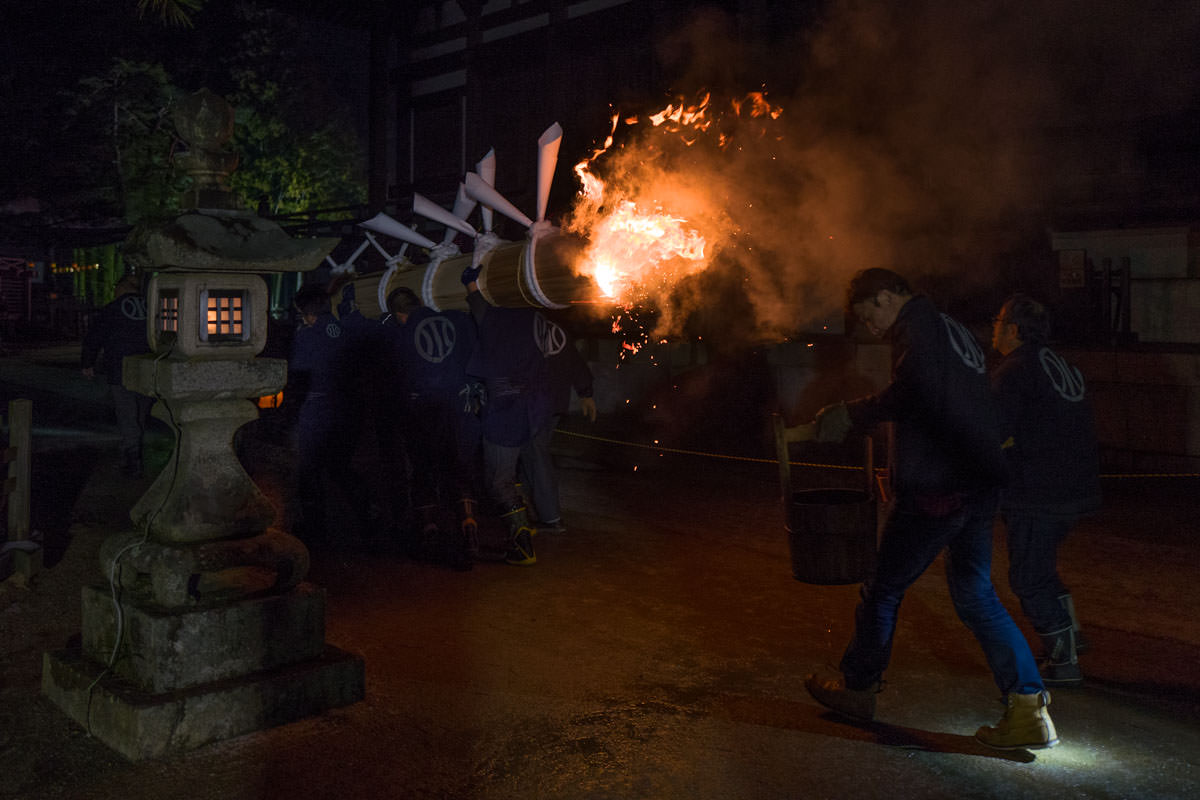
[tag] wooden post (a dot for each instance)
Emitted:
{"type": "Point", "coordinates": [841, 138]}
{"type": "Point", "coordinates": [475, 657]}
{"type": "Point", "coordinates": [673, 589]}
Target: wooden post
{"type": "Point", "coordinates": [17, 485]}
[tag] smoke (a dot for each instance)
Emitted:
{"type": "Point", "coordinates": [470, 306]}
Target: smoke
{"type": "Point", "coordinates": [923, 136]}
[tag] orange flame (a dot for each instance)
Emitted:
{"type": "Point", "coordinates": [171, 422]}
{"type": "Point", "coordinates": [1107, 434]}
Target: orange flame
{"type": "Point", "coordinates": [654, 220]}
{"type": "Point", "coordinates": [646, 227]}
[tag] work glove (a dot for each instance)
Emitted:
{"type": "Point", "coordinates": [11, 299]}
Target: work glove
{"type": "Point", "coordinates": [471, 274]}
{"type": "Point", "coordinates": [833, 423]}
{"type": "Point", "coordinates": [588, 406]}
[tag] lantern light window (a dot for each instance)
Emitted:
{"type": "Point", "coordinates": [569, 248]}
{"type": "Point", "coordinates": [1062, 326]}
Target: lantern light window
{"type": "Point", "coordinates": [168, 312]}
{"type": "Point", "coordinates": [224, 314]}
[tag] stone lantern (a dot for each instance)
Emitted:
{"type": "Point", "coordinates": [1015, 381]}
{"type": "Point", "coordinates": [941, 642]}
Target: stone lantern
{"type": "Point", "coordinates": [216, 633]}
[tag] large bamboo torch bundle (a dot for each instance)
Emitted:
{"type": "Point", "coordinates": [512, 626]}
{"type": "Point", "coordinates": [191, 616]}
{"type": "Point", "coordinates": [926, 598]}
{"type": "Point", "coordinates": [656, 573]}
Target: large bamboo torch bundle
{"type": "Point", "coordinates": [537, 272]}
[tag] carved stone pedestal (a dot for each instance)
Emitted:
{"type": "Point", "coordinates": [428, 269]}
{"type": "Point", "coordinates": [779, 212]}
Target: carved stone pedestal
{"type": "Point", "coordinates": [203, 628]}
{"type": "Point", "coordinates": [185, 678]}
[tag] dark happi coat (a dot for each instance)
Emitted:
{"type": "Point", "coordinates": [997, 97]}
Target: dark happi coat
{"type": "Point", "coordinates": [510, 360]}
{"type": "Point", "coordinates": [947, 428]}
{"type": "Point", "coordinates": [1053, 455]}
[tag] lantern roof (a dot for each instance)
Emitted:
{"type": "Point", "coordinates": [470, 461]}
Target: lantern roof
{"type": "Point", "coordinates": [218, 240]}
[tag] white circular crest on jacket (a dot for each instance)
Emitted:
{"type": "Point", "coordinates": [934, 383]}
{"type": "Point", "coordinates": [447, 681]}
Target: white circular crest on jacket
{"type": "Point", "coordinates": [1066, 379]}
{"type": "Point", "coordinates": [333, 330]}
{"type": "Point", "coordinates": [434, 339]}
{"type": "Point", "coordinates": [550, 338]}
{"type": "Point", "coordinates": [133, 307]}
{"type": "Point", "coordinates": [964, 344]}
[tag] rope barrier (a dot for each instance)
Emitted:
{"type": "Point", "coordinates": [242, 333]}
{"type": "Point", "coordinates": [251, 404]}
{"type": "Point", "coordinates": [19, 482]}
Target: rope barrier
{"type": "Point", "coordinates": [662, 449]}
{"type": "Point", "coordinates": [1150, 475]}
{"type": "Point", "coordinates": [679, 451]}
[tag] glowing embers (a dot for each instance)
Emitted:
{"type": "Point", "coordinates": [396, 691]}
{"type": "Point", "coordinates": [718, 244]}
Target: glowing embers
{"type": "Point", "coordinates": [224, 310]}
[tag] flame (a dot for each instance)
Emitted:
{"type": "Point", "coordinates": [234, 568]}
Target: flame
{"type": "Point", "coordinates": [633, 244]}
{"type": "Point", "coordinates": [649, 227]}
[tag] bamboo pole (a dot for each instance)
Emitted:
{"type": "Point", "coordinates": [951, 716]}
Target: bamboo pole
{"type": "Point", "coordinates": [535, 272]}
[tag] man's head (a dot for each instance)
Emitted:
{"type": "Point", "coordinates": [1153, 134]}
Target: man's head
{"type": "Point", "coordinates": [311, 301]}
{"type": "Point", "coordinates": [403, 301]}
{"type": "Point", "coordinates": [875, 297]}
{"type": "Point", "coordinates": [1022, 320]}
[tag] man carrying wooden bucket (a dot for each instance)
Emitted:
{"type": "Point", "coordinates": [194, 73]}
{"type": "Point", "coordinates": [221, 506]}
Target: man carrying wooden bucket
{"type": "Point", "coordinates": [948, 467]}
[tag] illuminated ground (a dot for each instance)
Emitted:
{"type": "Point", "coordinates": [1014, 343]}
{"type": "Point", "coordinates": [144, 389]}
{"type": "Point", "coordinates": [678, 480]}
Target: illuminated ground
{"type": "Point", "coordinates": [657, 650]}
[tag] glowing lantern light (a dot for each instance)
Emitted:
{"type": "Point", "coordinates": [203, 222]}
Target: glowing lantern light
{"type": "Point", "coordinates": [224, 316]}
{"type": "Point", "coordinates": [207, 315]}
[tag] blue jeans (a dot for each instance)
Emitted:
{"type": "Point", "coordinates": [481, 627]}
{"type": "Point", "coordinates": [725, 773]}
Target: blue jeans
{"type": "Point", "coordinates": [1033, 541]}
{"type": "Point", "coordinates": [911, 541]}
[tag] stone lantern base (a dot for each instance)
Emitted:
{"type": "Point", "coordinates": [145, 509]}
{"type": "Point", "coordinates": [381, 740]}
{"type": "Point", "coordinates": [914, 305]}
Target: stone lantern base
{"type": "Point", "coordinates": [188, 677]}
{"type": "Point", "coordinates": [219, 634]}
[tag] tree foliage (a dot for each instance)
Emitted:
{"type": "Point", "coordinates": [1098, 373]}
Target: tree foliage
{"type": "Point", "coordinates": [101, 146]}
{"type": "Point", "coordinates": [120, 127]}
{"type": "Point", "coordinates": [298, 150]}
{"type": "Point", "coordinates": [171, 12]}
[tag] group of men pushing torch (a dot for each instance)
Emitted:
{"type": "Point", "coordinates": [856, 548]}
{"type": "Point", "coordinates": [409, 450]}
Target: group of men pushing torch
{"type": "Point", "coordinates": [493, 382]}
{"type": "Point", "coordinates": [966, 447]}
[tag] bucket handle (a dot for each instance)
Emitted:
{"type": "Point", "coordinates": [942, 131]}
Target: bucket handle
{"type": "Point", "coordinates": [785, 435]}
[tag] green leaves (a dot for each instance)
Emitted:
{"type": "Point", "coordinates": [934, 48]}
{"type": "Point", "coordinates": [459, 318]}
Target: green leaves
{"type": "Point", "coordinates": [120, 135]}
{"type": "Point", "coordinates": [171, 12]}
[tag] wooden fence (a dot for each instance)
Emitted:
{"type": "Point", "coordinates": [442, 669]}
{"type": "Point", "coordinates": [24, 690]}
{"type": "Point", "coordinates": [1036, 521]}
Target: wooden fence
{"type": "Point", "coordinates": [20, 556]}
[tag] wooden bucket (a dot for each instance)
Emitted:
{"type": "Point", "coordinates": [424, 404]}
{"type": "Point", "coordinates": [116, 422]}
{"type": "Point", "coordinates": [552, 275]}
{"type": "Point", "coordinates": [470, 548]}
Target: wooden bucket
{"type": "Point", "coordinates": [832, 535]}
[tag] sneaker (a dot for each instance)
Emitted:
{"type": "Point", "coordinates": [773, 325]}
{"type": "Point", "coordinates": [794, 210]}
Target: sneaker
{"type": "Point", "coordinates": [520, 549]}
{"type": "Point", "coordinates": [833, 694]}
{"type": "Point", "coordinates": [551, 527]}
{"type": "Point", "coordinates": [1026, 724]}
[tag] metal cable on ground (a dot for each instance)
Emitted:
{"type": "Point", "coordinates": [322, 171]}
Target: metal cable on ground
{"type": "Point", "coordinates": [661, 449]}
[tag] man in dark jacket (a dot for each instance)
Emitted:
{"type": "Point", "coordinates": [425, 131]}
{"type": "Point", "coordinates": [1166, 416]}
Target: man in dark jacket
{"type": "Point", "coordinates": [118, 331]}
{"type": "Point", "coordinates": [566, 371]}
{"type": "Point", "coordinates": [510, 362]}
{"type": "Point", "coordinates": [431, 350]}
{"type": "Point", "coordinates": [947, 469]}
{"type": "Point", "coordinates": [1053, 477]}
{"type": "Point", "coordinates": [327, 427]}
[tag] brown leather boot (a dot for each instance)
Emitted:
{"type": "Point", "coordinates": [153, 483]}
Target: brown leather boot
{"type": "Point", "coordinates": [833, 694]}
{"type": "Point", "coordinates": [1026, 724]}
